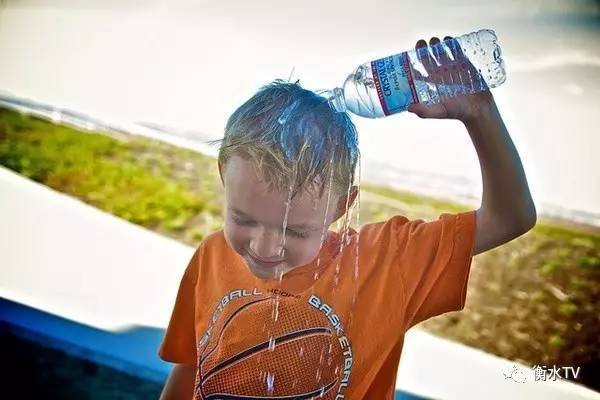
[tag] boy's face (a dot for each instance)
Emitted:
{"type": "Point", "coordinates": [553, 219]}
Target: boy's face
{"type": "Point", "coordinates": [254, 219]}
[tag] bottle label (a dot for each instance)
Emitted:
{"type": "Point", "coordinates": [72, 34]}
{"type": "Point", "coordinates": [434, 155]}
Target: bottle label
{"type": "Point", "coordinates": [394, 82]}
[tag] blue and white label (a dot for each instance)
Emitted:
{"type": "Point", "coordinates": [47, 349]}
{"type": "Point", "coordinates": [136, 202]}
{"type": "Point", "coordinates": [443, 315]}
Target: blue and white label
{"type": "Point", "coordinates": [394, 83]}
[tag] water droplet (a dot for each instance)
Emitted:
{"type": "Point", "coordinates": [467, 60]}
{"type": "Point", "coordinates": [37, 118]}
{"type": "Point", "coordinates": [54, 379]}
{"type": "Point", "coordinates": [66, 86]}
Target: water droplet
{"type": "Point", "coordinates": [271, 343]}
{"type": "Point", "coordinates": [270, 382]}
{"type": "Point", "coordinates": [275, 313]}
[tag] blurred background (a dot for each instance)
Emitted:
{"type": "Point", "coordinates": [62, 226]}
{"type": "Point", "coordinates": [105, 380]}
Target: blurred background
{"type": "Point", "coordinates": [112, 102]}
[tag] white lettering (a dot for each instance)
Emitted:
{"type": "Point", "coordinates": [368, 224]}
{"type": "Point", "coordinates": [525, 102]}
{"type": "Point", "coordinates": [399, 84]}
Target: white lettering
{"type": "Point", "coordinates": [326, 309]}
{"type": "Point", "coordinates": [314, 301]}
{"type": "Point", "coordinates": [344, 341]}
{"type": "Point", "coordinates": [574, 374]}
{"type": "Point", "coordinates": [224, 301]}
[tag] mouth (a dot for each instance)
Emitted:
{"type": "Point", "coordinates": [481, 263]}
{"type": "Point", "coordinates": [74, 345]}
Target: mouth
{"type": "Point", "coordinates": [263, 263]}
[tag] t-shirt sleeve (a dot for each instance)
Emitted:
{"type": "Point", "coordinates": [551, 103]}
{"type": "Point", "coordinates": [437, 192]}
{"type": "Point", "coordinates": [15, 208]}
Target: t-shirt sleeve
{"type": "Point", "coordinates": [436, 260]}
{"type": "Point", "coordinates": [179, 342]}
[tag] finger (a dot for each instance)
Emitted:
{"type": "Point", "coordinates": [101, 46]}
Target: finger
{"type": "Point", "coordinates": [465, 69]}
{"type": "Point", "coordinates": [424, 56]}
{"type": "Point", "coordinates": [421, 43]}
{"type": "Point", "coordinates": [427, 111]}
{"type": "Point", "coordinates": [457, 53]}
{"type": "Point", "coordinates": [451, 45]}
{"type": "Point", "coordinates": [457, 50]}
{"type": "Point", "coordinates": [438, 51]}
{"type": "Point", "coordinates": [444, 79]}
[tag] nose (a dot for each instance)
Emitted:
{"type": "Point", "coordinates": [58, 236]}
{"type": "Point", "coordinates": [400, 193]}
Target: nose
{"type": "Point", "coordinates": [267, 245]}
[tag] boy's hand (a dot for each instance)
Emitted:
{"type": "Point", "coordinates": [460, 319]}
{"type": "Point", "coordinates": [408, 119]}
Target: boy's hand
{"type": "Point", "coordinates": [464, 107]}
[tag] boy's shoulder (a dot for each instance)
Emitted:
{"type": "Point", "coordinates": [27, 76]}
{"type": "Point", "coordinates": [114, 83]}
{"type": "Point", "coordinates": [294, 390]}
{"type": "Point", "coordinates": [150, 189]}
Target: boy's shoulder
{"type": "Point", "coordinates": [374, 230]}
{"type": "Point", "coordinates": [213, 241]}
{"type": "Point", "coordinates": [397, 222]}
{"type": "Point", "coordinates": [213, 238]}
{"type": "Point", "coordinates": [400, 230]}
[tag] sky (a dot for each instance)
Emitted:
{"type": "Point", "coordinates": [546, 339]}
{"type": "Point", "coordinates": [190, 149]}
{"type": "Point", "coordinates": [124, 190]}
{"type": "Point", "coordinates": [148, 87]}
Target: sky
{"type": "Point", "coordinates": [189, 64]}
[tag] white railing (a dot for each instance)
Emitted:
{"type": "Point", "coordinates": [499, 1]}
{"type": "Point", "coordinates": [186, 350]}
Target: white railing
{"type": "Point", "coordinates": [64, 257]}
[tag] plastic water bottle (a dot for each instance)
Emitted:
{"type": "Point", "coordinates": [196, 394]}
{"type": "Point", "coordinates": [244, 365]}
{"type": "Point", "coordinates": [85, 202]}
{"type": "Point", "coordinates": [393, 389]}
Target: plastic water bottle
{"type": "Point", "coordinates": [468, 64]}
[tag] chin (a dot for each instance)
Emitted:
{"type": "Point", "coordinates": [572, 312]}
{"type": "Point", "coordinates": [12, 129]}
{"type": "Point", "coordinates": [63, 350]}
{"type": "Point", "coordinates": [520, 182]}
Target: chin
{"type": "Point", "coordinates": [261, 272]}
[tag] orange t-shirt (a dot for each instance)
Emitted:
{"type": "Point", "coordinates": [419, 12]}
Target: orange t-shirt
{"type": "Point", "coordinates": [339, 335]}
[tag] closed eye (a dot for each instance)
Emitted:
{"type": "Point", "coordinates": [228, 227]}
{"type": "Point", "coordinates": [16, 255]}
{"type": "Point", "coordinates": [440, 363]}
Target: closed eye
{"type": "Point", "coordinates": [292, 232]}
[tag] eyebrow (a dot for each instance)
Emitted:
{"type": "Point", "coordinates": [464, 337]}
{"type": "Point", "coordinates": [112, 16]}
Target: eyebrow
{"type": "Point", "coordinates": [298, 226]}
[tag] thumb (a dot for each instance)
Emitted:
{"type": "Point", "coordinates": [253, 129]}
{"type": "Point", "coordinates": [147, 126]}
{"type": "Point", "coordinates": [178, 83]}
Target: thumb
{"type": "Point", "coordinates": [428, 111]}
{"type": "Point", "coordinates": [418, 109]}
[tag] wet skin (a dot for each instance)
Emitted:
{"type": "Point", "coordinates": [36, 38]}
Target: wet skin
{"type": "Point", "coordinates": [254, 220]}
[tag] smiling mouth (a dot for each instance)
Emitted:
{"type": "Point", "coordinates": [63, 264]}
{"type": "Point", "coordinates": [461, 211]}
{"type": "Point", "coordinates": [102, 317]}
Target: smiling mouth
{"type": "Point", "coordinates": [263, 263]}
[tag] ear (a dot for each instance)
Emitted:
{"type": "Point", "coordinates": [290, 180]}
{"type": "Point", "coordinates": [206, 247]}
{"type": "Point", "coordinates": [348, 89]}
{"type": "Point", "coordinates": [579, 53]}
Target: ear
{"type": "Point", "coordinates": [341, 206]}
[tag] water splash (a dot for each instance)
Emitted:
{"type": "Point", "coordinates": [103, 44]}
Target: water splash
{"type": "Point", "coordinates": [275, 313]}
{"type": "Point", "coordinates": [271, 343]}
{"type": "Point", "coordinates": [288, 207]}
{"type": "Point", "coordinates": [356, 253]}
{"type": "Point", "coordinates": [270, 381]}
{"type": "Point", "coordinates": [283, 118]}
{"type": "Point", "coordinates": [292, 137]}
{"type": "Point", "coordinates": [356, 267]}
{"type": "Point", "coordinates": [346, 224]}
{"type": "Point", "coordinates": [325, 229]}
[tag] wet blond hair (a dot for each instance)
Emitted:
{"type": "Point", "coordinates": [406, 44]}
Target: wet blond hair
{"type": "Point", "coordinates": [295, 140]}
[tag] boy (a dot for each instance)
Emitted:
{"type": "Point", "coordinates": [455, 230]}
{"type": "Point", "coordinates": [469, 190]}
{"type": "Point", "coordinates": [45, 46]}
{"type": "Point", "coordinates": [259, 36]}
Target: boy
{"type": "Point", "coordinates": [277, 306]}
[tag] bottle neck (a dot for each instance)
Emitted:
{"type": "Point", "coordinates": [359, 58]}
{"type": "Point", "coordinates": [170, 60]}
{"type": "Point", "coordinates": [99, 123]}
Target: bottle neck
{"type": "Point", "coordinates": [336, 99]}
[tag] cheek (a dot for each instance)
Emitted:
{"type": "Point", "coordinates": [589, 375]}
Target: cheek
{"type": "Point", "coordinates": [304, 251]}
{"type": "Point", "coordinates": [235, 236]}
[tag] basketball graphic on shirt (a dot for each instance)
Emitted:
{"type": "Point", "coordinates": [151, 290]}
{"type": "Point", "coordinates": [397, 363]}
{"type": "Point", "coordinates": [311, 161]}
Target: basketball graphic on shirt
{"type": "Point", "coordinates": [260, 350]}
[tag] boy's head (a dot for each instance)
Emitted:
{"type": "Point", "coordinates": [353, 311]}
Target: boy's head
{"type": "Point", "coordinates": [284, 143]}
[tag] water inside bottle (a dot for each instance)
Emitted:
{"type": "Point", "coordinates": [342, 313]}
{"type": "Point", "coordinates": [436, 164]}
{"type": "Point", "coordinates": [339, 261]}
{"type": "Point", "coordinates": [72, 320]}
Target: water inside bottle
{"type": "Point", "coordinates": [426, 75]}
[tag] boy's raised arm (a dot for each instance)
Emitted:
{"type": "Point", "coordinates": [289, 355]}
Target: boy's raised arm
{"type": "Point", "coordinates": [507, 209]}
